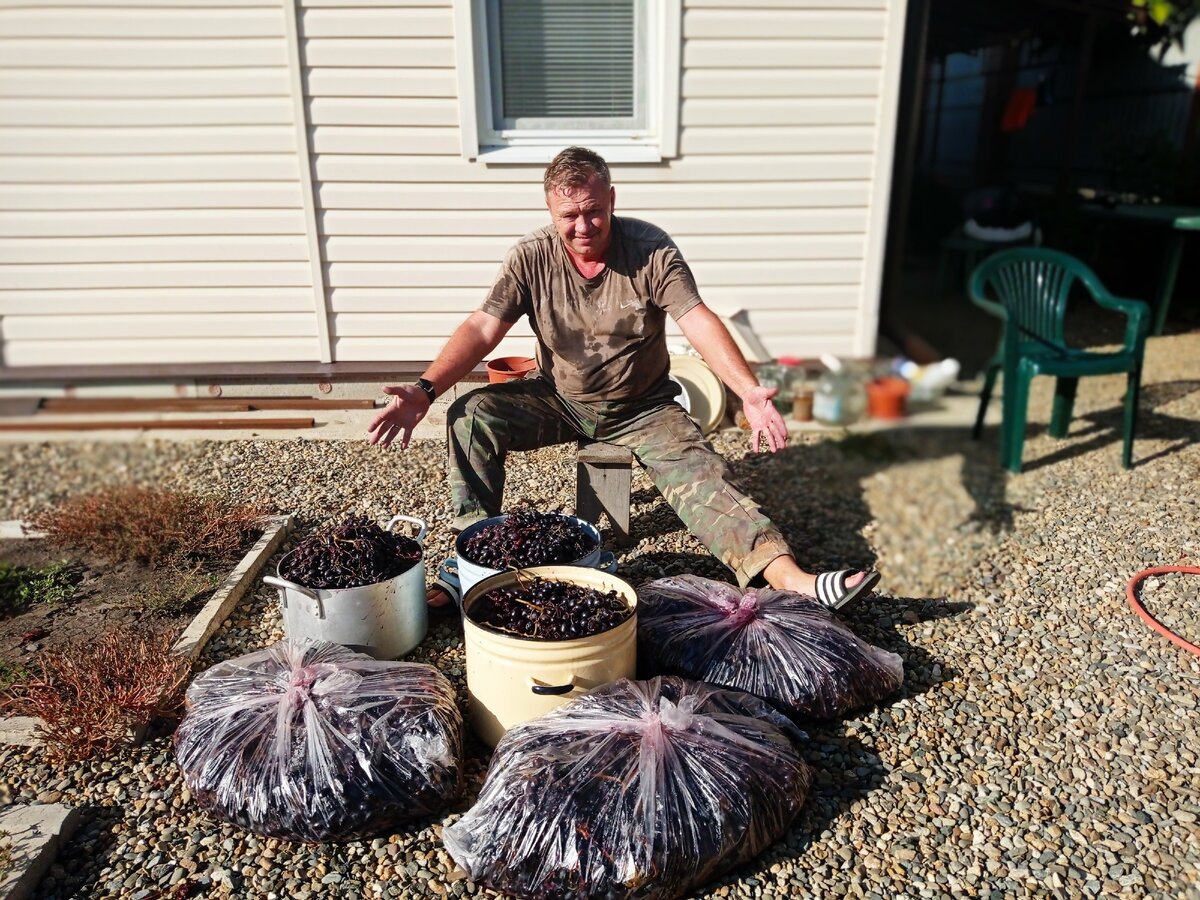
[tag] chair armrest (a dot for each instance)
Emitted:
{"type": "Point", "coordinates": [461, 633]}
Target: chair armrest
{"type": "Point", "coordinates": [1137, 312]}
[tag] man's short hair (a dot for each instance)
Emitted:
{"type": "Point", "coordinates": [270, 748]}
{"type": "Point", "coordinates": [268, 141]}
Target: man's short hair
{"type": "Point", "coordinates": [575, 167]}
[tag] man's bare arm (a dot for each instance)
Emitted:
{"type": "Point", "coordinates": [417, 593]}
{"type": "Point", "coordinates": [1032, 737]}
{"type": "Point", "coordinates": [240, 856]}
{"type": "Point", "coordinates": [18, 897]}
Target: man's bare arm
{"type": "Point", "coordinates": [708, 334]}
{"type": "Point", "coordinates": [474, 339]}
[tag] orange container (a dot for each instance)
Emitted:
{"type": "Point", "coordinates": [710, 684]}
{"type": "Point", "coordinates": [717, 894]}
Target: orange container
{"type": "Point", "coordinates": [510, 368]}
{"type": "Point", "coordinates": [887, 397]}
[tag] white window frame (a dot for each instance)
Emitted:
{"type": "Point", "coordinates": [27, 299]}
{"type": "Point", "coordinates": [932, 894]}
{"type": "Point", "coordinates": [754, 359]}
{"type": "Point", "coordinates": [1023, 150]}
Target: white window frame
{"type": "Point", "coordinates": [659, 140]}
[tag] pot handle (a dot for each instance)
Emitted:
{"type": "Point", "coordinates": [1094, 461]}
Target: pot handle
{"type": "Point", "coordinates": [607, 562]}
{"type": "Point", "coordinates": [549, 690]}
{"type": "Point", "coordinates": [420, 523]}
{"type": "Point", "coordinates": [284, 586]}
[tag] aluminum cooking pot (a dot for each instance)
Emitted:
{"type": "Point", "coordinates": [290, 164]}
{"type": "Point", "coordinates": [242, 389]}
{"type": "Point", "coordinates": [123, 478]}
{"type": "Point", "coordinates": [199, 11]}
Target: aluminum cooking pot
{"type": "Point", "coordinates": [384, 620]}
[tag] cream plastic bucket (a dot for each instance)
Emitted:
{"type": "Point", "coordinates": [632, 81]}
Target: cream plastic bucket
{"type": "Point", "coordinates": [513, 679]}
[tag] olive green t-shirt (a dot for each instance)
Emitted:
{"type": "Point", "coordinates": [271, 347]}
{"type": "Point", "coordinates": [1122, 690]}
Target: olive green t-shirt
{"type": "Point", "coordinates": [598, 338]}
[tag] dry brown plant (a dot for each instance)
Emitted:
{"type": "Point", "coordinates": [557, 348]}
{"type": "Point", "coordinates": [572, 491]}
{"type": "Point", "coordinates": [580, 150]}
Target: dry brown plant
{"type": "Point", "coordinates": [150, 525]}
{"type": "Point", "coordinates": [92, 694]}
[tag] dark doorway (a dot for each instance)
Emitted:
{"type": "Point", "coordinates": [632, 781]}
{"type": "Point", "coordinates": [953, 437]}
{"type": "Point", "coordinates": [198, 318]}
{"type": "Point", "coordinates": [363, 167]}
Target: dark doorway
{"type": "Point", "coordinates": [1025, 116]}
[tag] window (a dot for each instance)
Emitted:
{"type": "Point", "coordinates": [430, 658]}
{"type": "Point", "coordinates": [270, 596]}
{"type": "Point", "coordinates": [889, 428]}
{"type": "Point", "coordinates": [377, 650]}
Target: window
{"type": "Point", "coordinates": [535, 75]}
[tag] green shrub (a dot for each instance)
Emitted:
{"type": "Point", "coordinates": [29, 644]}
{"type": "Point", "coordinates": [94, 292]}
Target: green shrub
{"type": "Point", "coordinates": [21, 588]}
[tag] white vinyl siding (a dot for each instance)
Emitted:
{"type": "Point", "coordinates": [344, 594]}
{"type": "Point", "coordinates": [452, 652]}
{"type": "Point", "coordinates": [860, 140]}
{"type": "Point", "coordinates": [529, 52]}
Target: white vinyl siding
{"type": "Point", "coordinates": [150, 194]}
{"type": "Point", "coordinates": [173, 211]}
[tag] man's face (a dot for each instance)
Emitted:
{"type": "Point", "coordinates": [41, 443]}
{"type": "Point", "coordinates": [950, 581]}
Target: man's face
{"type": "Point", "coordinates": [583, 217]}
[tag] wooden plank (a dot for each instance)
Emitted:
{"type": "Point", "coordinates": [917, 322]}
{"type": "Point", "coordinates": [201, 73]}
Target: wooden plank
{"type": "Point", "coordinates": [194, 404]}
{"type": "Point", "coordinates": [158, 424]}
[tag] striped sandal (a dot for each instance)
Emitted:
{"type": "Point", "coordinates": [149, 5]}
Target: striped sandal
{"type": "Point", "coordinates": [832, 592]}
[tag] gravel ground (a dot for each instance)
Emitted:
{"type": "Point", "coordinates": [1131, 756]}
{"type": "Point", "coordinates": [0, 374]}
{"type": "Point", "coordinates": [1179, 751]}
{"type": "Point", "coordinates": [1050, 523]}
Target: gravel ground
{"type": "Point", "coordinates": [1045, 741]}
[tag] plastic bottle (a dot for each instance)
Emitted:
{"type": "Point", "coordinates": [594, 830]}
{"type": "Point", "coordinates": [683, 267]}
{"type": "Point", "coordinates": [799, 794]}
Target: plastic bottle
{"type": "Point", "coordinates": [840, 398]}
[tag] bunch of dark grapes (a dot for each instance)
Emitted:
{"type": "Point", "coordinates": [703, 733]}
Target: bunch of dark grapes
{"type": "Point", "coordinates": [528, 538]}
{"type": "Point", "coordinates": [352, 554]}
{"type": "Point", "coordinates": [550, 610]}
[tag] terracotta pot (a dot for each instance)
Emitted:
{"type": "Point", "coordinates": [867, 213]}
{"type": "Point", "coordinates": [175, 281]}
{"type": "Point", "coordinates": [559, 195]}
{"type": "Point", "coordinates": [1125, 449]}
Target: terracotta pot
{"type": "Point", "coordinates": [886, 397]}
{"type": "Point", "coordinates": [509, 368]}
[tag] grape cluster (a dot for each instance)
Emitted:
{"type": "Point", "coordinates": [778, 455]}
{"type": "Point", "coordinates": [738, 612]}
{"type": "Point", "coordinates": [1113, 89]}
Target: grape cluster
{"type": "Point", "coordinates": [550, 610]}
{"type": "Point", "coordinates": [352, 554]}
{"type": "Point", "coordinates": [528, 538]}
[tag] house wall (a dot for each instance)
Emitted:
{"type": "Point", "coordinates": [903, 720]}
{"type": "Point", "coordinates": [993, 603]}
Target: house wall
{"type": "Point", "coordinates": [150, 204]}
{"type": "Point", "coordinates": [167, 222]}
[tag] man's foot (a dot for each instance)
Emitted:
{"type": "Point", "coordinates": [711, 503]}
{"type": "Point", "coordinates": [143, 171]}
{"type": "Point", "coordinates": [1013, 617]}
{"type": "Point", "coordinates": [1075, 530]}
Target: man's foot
{"type": "Point", "coordinates": [835, 590]}
{"type": "Point", "coordinates": [832, 589]}
{"type": "Point", "coordinates": [437, 597]}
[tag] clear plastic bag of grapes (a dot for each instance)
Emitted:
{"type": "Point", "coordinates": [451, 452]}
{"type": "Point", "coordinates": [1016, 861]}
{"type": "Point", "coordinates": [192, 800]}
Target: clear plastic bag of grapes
{"type": "Point", "coordinates": [313, 742]}
{"type": "Point", "coordinates": [779, 645]}
{"type": "Point", "coordinates": [641, 789]}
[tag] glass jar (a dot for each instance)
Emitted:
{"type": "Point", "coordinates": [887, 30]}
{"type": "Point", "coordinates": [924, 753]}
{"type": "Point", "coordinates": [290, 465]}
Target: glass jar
{"type": "Point", "coordinates": [840, 397]}
{"type": "Point", "coordinates": [772, 375]}
{"type": "Point", "coordinates": [790, 372]}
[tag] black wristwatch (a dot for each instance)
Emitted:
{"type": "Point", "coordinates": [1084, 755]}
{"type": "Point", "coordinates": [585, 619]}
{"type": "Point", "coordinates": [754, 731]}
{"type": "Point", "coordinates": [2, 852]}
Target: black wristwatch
{"type": "Point", "coordinates": [427, 386]}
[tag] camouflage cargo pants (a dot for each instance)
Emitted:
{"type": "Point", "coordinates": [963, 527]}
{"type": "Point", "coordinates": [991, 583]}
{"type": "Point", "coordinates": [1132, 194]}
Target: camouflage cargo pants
{"type": "Point", "coordinates": [523, 415]}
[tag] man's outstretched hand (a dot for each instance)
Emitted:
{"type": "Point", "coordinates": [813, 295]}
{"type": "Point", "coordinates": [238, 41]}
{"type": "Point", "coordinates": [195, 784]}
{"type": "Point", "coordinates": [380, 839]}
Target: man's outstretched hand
{"type": "Point", "coordinates": [408, 406]}
{"type": "Point", "coordinates": [765, 420]}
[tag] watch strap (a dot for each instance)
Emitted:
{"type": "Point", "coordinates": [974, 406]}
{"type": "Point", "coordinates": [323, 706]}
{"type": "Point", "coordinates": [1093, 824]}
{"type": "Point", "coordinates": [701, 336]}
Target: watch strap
{"type": "Point", "coordinates": [427, 386]}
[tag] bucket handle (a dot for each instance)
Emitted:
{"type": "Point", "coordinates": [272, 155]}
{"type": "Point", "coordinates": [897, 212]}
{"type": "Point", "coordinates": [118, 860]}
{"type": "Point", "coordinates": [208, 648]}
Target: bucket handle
{"type": "Point", "coordinates": [420, 523]}
{"type": "Point", "coordinates": [551, 690]}
{"type": "Point", "coordinates": [284, 586]}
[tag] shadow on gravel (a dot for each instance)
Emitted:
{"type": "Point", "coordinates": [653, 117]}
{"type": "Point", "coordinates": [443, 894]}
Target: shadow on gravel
{"type": "Point", "coordinates": [90, 849]}
{"type": "Point", "coordinates": [1104, 429]}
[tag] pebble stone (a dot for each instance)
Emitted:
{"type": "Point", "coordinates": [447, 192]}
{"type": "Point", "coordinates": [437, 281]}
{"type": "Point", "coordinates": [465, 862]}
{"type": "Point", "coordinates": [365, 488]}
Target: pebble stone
{"type": "Point", "coordinates": [1045, 742]}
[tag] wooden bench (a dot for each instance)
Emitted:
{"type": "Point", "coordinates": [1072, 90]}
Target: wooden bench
{"type": "Point", "coordinates": [604, 475]}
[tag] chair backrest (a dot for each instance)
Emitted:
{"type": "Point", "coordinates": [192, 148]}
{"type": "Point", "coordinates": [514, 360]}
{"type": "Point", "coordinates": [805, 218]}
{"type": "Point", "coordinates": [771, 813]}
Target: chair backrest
{"type": "Point", "coordinates": [1033, 285]}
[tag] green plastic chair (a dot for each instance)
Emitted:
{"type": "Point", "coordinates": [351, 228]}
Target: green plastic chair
{"type": "Point", "coordinates": [1031, 287]}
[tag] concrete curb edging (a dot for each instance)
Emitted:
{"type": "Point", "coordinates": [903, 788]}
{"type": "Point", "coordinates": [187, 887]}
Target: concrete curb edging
{"type": "Point", "coordinates": [36, 833]}
{"type": "Point", "coordinates": [191, 642]}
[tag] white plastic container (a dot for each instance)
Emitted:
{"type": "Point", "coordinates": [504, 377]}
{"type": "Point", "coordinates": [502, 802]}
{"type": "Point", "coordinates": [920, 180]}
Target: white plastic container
{"type": "Point", "coordinates": [384, 620]}
{"type": "Point", "coordinates": [512, 679]}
